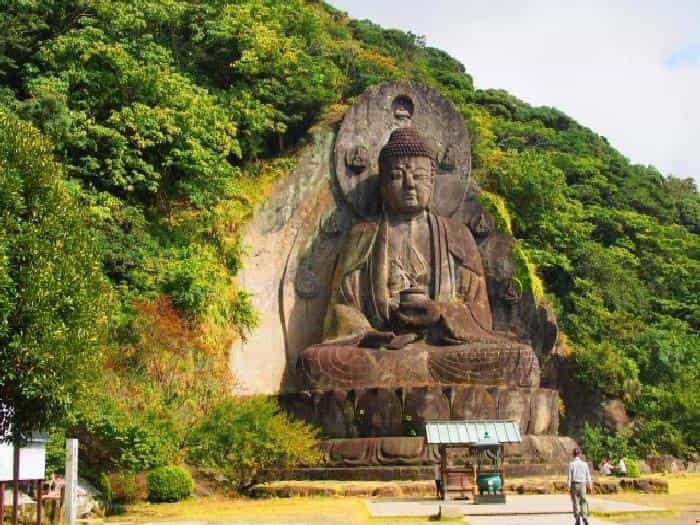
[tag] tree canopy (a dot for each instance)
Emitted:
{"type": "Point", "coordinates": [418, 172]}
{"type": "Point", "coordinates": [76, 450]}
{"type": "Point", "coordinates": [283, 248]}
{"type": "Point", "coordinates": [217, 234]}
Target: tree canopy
{"type": "Point", "coordinates": [52, 293]}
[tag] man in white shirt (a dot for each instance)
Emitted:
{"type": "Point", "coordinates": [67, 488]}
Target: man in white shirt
{"type": "Point", "coordinates": [579, 478]}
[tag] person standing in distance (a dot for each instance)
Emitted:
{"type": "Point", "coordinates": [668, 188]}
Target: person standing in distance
{"type": "Point", "coordinates": [578, 480]}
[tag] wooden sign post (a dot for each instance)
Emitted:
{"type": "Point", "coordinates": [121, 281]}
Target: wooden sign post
{"type": "Point", "coordinates": [70, 497]}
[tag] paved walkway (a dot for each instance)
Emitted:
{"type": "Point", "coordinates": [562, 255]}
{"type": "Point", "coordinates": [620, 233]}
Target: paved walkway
{"type": "Point", "coordinates": [556, 504]}
{"type": "Point", "coordinates": [531, 519]}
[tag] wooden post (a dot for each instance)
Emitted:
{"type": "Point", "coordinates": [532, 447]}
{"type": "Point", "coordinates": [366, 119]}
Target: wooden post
{"type": "Point", "coordinates": [2, 502]}
{"type": "Point", "coordinates": [476, 460]}
{"type": "Point", "coordinates": [443, 470]}
{"type": "Point", "coordinates": [15, 482]}
{"type": "Point", "coordinates": [71, 485]}
{"type": "Point", "coordinates": [39, 500]}
{"type": "Point", "coordinates": [503, 468]}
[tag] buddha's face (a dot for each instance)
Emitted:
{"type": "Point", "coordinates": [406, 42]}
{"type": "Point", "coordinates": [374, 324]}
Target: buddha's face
{"type": "Point", "coordinates": [407, 184]}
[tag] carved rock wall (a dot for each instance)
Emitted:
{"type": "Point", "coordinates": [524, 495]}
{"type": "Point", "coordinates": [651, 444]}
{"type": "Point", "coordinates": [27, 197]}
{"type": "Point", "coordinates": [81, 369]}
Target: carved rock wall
{"type": "Point", "coordinates": [292, 242]}
{"type": "Point", "coordinates": [533, 450]}
{"type": "Point", "coordinates": [385, 412]}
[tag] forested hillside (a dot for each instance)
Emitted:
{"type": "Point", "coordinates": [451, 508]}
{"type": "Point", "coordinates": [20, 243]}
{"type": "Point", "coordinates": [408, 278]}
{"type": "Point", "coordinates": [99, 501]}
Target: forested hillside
{"type": "Point", "coordinates": [169, 119]}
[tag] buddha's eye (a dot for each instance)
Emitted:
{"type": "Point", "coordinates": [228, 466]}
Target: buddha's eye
{"type": "Point", "coordinates": [421, 174]}
{"type": "Point", "coordinates": [396, 174]}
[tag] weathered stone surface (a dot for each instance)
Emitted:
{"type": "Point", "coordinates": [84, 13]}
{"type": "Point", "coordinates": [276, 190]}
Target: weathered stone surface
{"type": "Point", "coordinates": [398, 486]}
{"type": "Point", "coordinates": [379, 451]}
{"type": "Point", "coordinates": [475, 403]}
{"type": "Point", "coordinates": [336, 414]}
{"type": "Point", "coordinates": [337, 411]}
{"type": "Point", "coordinates": [614, 415]}
{"type": "Point", "coordinates": [534, 450]}
{"type": "Point", "coordinates": [422, 404]}
{"type": "Point", "coordinates": [283, 236]}
{"type": "Point", "coordinates": [338, 366]}
{"type": "Point", "coordinates": [665, 463]}
{"type": "Point", "coordinates": [644, 467]}
{"type": "Point", "coordinates": [646, 485]}
{"type": "Point", "coordinates": [379, 413]}
{"type": "Point", "coordinates": [544, 415]}
{"type": "Point", "coordinates": [370, 121]}
{"type": "Point", "coordinates": [515, 404]}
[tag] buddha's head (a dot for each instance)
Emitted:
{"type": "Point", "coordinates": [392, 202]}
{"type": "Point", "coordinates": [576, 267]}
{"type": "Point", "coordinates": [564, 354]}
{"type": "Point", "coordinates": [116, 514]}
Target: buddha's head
{"type": "Point", "coordinates": [406, 172]}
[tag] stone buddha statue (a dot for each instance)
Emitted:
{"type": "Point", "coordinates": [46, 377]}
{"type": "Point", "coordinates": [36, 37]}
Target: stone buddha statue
{"type": "Point", "coordinates": [409, 303]}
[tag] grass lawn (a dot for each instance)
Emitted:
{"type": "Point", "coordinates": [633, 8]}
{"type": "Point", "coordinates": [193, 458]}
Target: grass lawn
{"type": "Point", "coordinates": [308, 511]}
{"type": "Point", "coordinates": [683, 499]}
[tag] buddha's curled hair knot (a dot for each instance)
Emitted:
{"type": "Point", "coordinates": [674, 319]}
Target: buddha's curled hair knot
{"type": "Point", "coordinates": [405, 142]}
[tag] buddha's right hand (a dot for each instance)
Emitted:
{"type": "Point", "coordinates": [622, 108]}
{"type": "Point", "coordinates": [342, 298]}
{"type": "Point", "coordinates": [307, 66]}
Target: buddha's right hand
{"type": "Point", "coordinates": [376, 339]}
{"type": "Point", "coordinates": [420, 314]}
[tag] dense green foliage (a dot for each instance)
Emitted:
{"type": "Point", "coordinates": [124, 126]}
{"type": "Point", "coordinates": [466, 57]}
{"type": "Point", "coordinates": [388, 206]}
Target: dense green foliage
{"type": "Point", "coordinates": [600, 444]}
{"type": "Point", "coordinates": [251, 442]}
{"type": "Point", "coordinates": [170, 116]}
{"type": "Point", "coordinates": [51, 286]}
{"type": "Point", "coordinates": [169, 483]}
{"type": "Point", "coordinates": [113, 441]}
{"type": "Point", "coordinates": [632, 465]}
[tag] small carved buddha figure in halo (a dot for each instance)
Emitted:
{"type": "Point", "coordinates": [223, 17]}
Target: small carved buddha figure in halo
{"type": "Point", "coordinates": [409, 301]}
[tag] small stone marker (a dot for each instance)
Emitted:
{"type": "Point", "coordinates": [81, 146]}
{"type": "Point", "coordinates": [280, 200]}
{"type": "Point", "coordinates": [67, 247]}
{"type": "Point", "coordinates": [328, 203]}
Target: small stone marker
{"type": "Point", "coordinates": [70, 497]}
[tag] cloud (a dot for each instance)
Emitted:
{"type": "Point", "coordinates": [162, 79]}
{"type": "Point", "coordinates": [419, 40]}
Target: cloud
{"type": "Point", "coordinates": [604, 63]}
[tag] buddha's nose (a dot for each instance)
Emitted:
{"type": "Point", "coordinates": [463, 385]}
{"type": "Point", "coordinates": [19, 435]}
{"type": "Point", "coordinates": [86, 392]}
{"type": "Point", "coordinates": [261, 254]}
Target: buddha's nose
{"type": "Point", "coordinates": [408, 179]}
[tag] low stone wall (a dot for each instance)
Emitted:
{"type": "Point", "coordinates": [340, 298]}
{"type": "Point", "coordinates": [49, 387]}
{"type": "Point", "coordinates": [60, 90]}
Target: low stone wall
{"type": "Point", "coordinates": [667, 463]}
{"type": "Point", "coordinates": [393, 489]}
{"type": "Point", "coordinates": [407, 473]}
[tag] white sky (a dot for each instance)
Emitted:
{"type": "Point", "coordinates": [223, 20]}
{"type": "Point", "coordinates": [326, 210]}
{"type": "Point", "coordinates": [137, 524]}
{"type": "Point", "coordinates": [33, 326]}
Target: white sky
{"type": "Point", "coordinates": [628, 69]}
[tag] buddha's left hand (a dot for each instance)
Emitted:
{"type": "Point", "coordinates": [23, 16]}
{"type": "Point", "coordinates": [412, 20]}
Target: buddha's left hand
{"type": "Point", "coordinates": [421, 314]}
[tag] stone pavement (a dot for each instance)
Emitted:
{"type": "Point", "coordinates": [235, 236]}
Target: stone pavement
{"type": "Point", "coordinates": [531, 519]}
{"type": "Point", "coordinates": [518, 509]}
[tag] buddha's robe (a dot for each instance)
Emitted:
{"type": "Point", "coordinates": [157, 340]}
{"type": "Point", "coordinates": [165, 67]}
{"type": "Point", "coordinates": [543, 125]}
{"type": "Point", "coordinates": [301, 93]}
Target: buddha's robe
{"type": "Point", "coordinates": [461, 347]}
{"type": "Point", "coordinates": [364, 286]}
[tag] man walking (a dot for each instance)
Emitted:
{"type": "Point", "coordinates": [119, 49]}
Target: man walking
{"type": "Point", "coordinates": [579, 479]}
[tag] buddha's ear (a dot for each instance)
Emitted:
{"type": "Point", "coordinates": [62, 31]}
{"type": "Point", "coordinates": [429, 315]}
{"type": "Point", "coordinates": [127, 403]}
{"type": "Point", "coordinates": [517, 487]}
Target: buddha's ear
{"type": "Point", "coordinates": [433, 169]}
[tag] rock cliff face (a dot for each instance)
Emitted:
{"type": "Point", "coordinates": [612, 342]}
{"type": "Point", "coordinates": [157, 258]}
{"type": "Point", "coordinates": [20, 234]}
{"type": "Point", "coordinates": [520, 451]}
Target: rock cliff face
{"type": "Point", "coordinates": [292, 243]}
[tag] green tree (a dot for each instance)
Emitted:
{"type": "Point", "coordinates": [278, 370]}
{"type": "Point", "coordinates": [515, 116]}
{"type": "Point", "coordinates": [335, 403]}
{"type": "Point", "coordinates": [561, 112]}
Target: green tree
{"type": "Point", "coordinates": [52, 293]}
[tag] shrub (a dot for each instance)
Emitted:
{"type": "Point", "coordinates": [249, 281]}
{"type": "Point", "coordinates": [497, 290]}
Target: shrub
{"type": "Point", "coordinates": [113, 440]}
{"type": "Point", "coordinates": [633, 470]}
{"type": "Point", "coordinates": [169, 483]}
{"type": "Point", "coordinates": [127, 487]}
{"type": "Point", "coordinates": [597, 443]}
{"type": "Point", "coordinates": [105, 488]}
{"type": "Point", "coordinates": [251, 441]}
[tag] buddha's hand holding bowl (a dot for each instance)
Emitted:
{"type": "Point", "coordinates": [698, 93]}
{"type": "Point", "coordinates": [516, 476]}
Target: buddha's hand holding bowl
{"type": "Point", "coordinates": [416, 309]}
